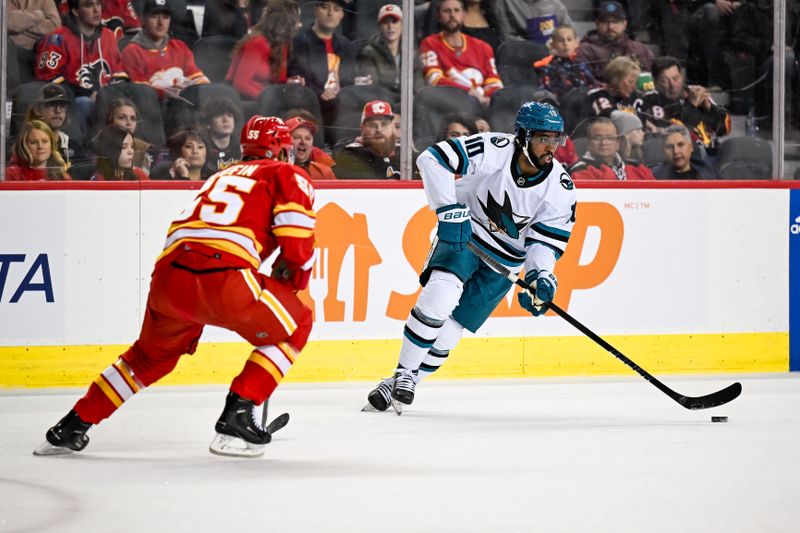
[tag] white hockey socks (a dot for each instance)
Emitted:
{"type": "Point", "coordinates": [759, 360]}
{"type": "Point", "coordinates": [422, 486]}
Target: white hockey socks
{"type": "Point", "coordinates": [435, 303]}
{"type": "Point", "coordinates": [449, 337]}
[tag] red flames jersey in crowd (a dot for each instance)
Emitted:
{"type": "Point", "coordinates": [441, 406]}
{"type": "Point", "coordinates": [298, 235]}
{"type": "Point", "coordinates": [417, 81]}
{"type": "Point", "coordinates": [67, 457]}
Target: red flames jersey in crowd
{"type": "Point", "coordinates": [472, 66]}
{"type": "Point", "coordinates": [161, 69]}
{"type": "Point", "coordinates": [247, 211]}
{"type": "Point", "coordinates": [84, 64]}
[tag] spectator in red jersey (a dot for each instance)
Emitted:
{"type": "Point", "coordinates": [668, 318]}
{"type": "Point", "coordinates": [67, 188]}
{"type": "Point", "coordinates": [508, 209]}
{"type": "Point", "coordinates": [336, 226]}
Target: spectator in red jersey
{"type": "Point", "coordinates": [303, 142]}
{"type": "Point", "coordinates": [153, 58]}
{"type": "Point", "coordinates": [120, 17]}
{"type": "Point", "coordinates": [452, 58]}
{"type": "Point", "coordinates": [187, 154]}
{"type": "Point", "coordinates": [34, 156]}
{"type": "Point", "coordinates": [83, 55]}
{"type": "Point", "coordinates": [262, 56]}
{"type": "Point", "coordinates": [602, 160]}
{"type": "Point", "coordinates": [114, 148]}
{"type": "Point", "coordinates": [123, 113]}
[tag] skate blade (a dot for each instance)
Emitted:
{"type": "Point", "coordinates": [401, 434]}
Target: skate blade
{"type": "Point", "coordinates": [46, 448]}
{"type": "Point", "coordinates": [228, 446]}
{"type": "Point", "coordinates": [397, 406]}
{"type": "Point", "coordinates": [369, 408]}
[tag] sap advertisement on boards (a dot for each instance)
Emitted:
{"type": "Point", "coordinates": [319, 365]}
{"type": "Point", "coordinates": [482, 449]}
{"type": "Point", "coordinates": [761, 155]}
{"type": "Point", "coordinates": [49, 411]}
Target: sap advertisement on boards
{"type": "Point", "coordinates": [640, 261]}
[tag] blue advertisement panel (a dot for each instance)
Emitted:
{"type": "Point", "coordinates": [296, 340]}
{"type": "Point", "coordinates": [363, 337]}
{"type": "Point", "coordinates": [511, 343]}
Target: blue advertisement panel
{"type": "Point", "coordinates": [794, 280]}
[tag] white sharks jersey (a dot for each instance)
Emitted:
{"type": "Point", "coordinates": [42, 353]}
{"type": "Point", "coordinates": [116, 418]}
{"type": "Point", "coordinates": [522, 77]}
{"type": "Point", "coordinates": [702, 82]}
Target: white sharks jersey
{"type": "Point", "coordinates": [520, 221]}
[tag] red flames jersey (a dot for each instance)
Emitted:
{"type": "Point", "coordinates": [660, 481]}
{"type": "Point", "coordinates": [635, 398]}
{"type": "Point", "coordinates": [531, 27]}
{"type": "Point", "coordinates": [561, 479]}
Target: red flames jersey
{"type": "Point", "coordinates": [471, 66]}
{"type": "Point", "coordinates": [249, 210]}
{"type": "Point", "coordinates": [117, 16]}
{"type": "Point", "coordinates": [65, 57]}
{"type": "Point", "coordinates": [173, 66]}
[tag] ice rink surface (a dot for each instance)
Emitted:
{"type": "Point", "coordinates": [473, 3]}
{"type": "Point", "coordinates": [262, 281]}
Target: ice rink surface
{"type": "Point", "coordinates": [590, 455]}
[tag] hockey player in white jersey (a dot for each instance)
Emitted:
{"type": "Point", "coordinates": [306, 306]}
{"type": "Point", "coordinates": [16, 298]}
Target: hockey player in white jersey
{"type": "Point", "coordinates": [507, 195]}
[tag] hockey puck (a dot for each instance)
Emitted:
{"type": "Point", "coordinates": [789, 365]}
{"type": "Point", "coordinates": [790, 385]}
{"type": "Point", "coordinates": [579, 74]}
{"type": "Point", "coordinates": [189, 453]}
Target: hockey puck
{"type": "Point", "coordinates": [719, 418]}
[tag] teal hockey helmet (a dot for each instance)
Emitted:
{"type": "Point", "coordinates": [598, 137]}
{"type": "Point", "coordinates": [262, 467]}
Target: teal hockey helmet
{"type": "Point", "coordinates": [538, 116]}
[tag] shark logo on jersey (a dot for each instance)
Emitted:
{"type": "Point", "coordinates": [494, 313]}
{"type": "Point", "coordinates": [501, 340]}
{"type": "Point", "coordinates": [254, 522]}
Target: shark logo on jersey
{"type": "Point", "coordinates": [500, 141]}
{"type": "Point", "coordinates": [501, 218]}
{"type": "Point", "coordinates": [566, 182]}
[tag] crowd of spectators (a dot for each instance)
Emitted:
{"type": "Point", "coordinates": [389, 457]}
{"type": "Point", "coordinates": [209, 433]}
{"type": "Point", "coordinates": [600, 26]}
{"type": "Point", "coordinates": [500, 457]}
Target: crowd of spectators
{"type": "Point", "coordinates": [634, 109]}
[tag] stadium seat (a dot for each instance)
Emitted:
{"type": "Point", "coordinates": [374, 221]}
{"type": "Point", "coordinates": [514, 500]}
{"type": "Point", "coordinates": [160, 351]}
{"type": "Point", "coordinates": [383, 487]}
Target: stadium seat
{"type": "Point", "coordinates": [575, 109]}
{"type": "Point", "coordinates": [213, 56]}
{"type": "Point", "coordinates": [350, 103]}
{"type": "Point", "coordinates": [151, 122]}
{"type": "Point", "coordinates": [276, 100]}
{"type": "Point", "coordinates": [25, 95]}
{"type": "Point", "coordinates": [515, 61]}
{"type": "Point", "coordinates": [431, 104]}
{"type": "Point", "coordinates": [505, 104]}
{"type": "Point", "coordinates": [653, 150]}
{"type": "Point", "coordinates": [744, 158]}
{"type": "Point", "coordinates": [184, 112]}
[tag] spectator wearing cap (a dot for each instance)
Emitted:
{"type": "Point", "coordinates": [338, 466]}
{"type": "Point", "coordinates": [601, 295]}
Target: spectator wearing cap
{"type": "Point", "coordinates": [303, 132]}
{"type": "Point", "coordinates": [560, 72]}
{"type": "Point", "coordinates": [602, 160]}
{"type": "Point", "coordinates": [378, 62]}
{"type": "Point", "coordinates": [678, 162]}
{"type": "Point", "coordinates": [375, 156]}
{"type": "Point", "coordinates": [218, 119]}
{"type": "Point", "coordinates": [262, 56]}
{"type": "Point", "coordinates": [609, 40]}
{"type": "Point", "coordinates": [152, 58]}
{"type": "Point", "coordinates": [52, 107]}
{"type": "Point", "coordinates": [532, 20]}
{"type": "Point", "coordinates": [674, 102]}
{"type": "Point", "coordinates": [83, 55]}
{"type": "Point", "coordinates": [452, 58]}
{"type": "Point", "coordinates": [631, 136]}
{"type": "Point", "coordinates": [322, 59]}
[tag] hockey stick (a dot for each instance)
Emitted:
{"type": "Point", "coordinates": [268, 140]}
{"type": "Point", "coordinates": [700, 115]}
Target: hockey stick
{"type": "Point", "coordinates": [714, 399]}
{"type": "Point", "coordinates": [279, 422]}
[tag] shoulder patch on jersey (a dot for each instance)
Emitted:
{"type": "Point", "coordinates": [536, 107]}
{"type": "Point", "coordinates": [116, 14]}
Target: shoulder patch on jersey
{"type": "Point", "coordinates": [500, 142]}
{"type": "Point", "coordinates": [566, 181]}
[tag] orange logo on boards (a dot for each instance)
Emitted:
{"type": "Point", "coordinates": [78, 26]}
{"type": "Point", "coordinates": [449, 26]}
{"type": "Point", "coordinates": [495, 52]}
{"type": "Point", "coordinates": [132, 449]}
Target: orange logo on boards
{"type": "Point", "coordinates": [340, 233]}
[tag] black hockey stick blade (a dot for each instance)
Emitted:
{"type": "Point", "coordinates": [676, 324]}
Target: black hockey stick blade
{"type": "Point", "coordinates": [278, 424]}
{"type": "Point", "coordinates": [714, 399]}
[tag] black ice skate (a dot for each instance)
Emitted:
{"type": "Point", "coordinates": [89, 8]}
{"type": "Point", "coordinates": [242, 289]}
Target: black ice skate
{"type": "Point", "coordinates": [405, 381]}
{"type": "Point", "coordinates": [380, 397]}
{"type": "Point", "coordinates": [239, 433]}
{"type": "Point", "coordinates": [68, 436]}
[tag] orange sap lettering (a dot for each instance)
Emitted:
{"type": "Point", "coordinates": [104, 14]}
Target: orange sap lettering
{"type": "Point", "coordinates": [570, 273]}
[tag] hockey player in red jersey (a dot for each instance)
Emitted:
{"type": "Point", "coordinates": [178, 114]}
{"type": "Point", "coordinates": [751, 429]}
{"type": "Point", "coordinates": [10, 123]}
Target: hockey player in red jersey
{"type": "Point", "coordinates": [208, 274]}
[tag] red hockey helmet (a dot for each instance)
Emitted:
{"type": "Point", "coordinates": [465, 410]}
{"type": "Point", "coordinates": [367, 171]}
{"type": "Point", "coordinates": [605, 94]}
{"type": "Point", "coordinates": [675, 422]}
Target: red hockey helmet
{"type": "Point", "coordinates": [266, 138]}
